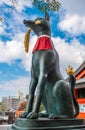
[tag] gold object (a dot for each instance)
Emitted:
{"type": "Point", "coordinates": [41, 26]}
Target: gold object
{"type": "Point", "coordinates": [70, 70]}
{"type": "Point", "coordinates": [37, 22]}
{"type": "Point", "coordinates": [26, 40]}
{"type": "Point", "coordinates": [1, 19]}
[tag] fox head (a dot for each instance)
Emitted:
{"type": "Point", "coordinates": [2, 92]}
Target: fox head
{"type": "Point", "coordinates": [40, 26]}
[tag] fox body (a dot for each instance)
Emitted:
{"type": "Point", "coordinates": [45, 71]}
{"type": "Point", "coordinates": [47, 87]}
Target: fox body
{"type": "Point", "coordinates": [52, 90]}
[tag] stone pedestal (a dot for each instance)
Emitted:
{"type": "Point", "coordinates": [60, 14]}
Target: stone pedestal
{"type": "Point", "coordinates": [48, 124]}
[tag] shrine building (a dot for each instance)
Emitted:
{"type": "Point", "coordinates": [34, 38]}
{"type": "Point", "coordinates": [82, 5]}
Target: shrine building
{"type": "Point", "coordinates": [80, 89]}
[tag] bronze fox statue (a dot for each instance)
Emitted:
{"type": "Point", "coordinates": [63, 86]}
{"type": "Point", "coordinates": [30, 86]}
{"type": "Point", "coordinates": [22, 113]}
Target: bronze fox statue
{"type": "Point", "coordinates": [52, 90]}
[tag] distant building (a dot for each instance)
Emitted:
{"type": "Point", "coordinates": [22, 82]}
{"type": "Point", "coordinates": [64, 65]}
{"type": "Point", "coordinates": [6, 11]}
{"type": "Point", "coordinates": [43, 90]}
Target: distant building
{"type": "Point", "coordinates": [12, 102]}
{"type": "Point", "coordinates": [5, 102]}
{"type": "Point", "coordinates": [20, 94]}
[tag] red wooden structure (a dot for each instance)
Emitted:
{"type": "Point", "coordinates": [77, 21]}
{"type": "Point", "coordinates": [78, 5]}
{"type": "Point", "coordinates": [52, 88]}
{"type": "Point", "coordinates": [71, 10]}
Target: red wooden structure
{"type": "Point", "coordinates": [80, 89]}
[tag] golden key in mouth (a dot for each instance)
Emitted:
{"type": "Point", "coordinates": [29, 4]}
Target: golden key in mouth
{"type": "Point", "coordinates": [26, 40]}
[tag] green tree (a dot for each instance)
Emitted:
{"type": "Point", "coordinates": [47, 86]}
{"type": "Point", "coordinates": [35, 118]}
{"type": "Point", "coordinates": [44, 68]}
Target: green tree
{"type": "Point", "coordinates": [46, 5]}
{"type": "Point", "coordinates": [42, 5]}
{"type": "Point", "coordinates": [2, 107]}
{"type": "Point", "coordinates": [1, 19]}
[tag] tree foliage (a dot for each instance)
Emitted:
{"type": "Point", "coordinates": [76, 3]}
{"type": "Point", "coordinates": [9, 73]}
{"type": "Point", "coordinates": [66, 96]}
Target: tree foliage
{"type": "Point", "coordinates": [42, 5]}
{"type": "Point", "coordinates": [1, 19]}
{"type": "Point", "coordinates": [22, 106]}
{"type": "Point", "coordinates": [2, 107]}
{"type": "Point", "coordinates": [46, 5]}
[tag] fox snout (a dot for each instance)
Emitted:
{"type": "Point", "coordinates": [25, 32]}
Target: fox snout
{"type": "Point", "coordinates": [40, 25]}
{"type": "Point", "coordinates": [25, 22]}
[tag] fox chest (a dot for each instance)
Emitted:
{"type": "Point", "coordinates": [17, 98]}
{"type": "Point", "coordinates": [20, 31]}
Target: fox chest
{"type": "Point", "coordinates": [36, 64]}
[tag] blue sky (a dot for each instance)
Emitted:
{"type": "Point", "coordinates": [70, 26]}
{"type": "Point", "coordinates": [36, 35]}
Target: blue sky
{"type": "Point", "coordinates": [68, 35]}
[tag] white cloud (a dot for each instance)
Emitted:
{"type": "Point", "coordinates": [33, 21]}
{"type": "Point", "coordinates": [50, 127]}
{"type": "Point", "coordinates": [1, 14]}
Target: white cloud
{"type": "Point", "coordinates": [17, 4]}
{"type": "Point", "coordinates": [74, 17]}
{"type": "Point", "coordinates": [26, 57]}
{"type": "Point", "coordinates": [0, 72]}
{"type": "Point", "coordinates": [13, 25]}
{"type": "Point", "coordinates": [10, 51]}
{"type": "Point", "coordinates": [12, 86]}
{"type": "Point", "coordinates": [13, 50]}
{"type": "Point", "coordinates": [23, 3]}
{"type": "Point", "coordinates": [73, 24]}
{"type": "Point", "coordinates": [74, 6]}
{"type": "Point", "coordinates": [73, 53]}
{"type": "Point", "coordinates": [1, 27]}
{"type": "Point", "coordinates": [1, 2]}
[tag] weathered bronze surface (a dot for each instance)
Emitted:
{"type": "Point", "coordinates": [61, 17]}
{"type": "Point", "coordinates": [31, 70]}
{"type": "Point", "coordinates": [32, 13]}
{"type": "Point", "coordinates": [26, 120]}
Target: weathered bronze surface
{"type": "Point", "coordinates": [48, 124]}
{"type": "Point", "coordinates": [52, 90]}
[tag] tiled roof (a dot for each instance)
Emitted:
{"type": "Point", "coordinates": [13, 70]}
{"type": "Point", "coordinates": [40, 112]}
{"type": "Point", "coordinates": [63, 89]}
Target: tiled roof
{"type": "Point", "coordinates": [80, 83]}
{"type": "Point", "coordinates": [82, 80]}
{"type": "Point", "coordinates": [81, 67]}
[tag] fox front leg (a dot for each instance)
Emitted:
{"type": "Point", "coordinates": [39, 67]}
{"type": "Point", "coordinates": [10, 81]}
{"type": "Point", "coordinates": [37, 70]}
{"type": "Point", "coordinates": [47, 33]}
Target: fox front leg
{"type": "Point", "coordinates": [32, 88]}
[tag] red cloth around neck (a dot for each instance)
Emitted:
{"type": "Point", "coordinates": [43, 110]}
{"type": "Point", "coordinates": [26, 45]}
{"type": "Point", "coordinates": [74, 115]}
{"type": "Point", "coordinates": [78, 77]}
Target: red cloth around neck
{"type": "Point", "coordinates": [43, 43]}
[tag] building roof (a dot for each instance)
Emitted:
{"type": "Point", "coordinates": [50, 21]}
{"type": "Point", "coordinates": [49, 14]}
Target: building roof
{"type": "Point", "coordinates": [80, 76]}
{"type": "Point", "coordinates": [80, 83]}
{"type": "Point", "coordinates": [80, 68]}
{"type": "Point", "coordinates": [82, 80]}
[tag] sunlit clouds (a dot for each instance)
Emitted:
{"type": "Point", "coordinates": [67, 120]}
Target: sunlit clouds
{"type": "Point", "coordinates": [69, 31]}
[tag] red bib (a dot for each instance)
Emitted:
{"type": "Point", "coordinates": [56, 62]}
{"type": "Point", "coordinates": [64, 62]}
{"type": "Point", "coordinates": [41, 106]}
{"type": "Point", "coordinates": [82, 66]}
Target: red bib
{"type": "Point", "coordinates": [43, 43]}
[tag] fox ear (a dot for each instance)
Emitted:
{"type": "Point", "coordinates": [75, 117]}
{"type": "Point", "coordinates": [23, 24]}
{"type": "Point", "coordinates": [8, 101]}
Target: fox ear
{"type": "Point", "coordinates": [47, 16]}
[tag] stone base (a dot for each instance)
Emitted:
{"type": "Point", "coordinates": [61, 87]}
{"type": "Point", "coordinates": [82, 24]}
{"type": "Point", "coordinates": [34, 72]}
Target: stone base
{"type": "Point", "coordinates": [48, 124]}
